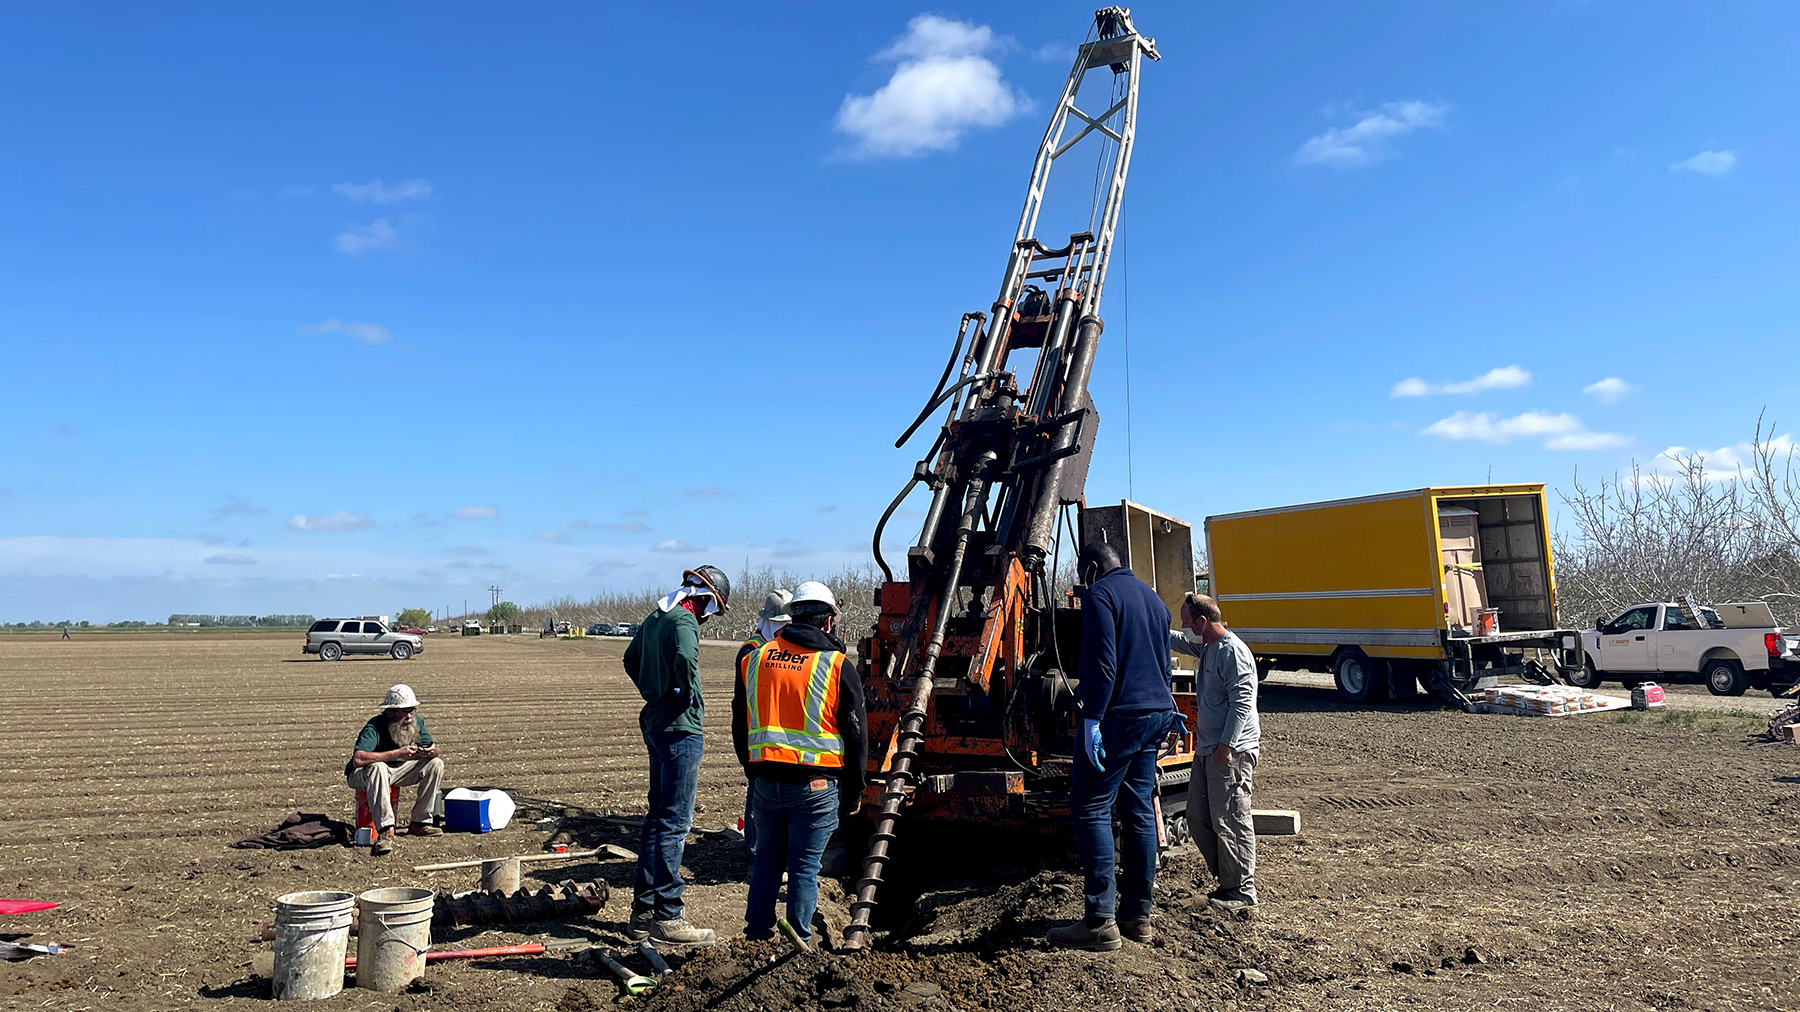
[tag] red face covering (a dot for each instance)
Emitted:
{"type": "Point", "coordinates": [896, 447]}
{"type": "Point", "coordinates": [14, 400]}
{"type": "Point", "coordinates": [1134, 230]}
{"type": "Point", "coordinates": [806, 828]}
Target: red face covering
{"type": "Point", "coordinates": [696, 606]}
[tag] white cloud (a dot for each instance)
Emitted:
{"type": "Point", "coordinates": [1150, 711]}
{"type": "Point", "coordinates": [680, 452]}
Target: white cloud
{"type": "Point", "coordinates": [672, 546]}
{"type": "Point", "coordinates": [342, 520]}
{"type": "Point", "coordinates": [368, 333]}
{"type": "Point", "coordinates": [378, 192]}
{"type": "Point", "coordinates": [478, 512]}
{"type": "Point", "coordinates": [1366, 141]}
{"type": "Point", "coordinates": [1725, 462]}
{"type": "Point", "coordinates": [554, 537]}
{"type": "Point", "coordinates": [1559, 432]}
{"type": "Point", "coordinates": [379, 235]}
{"type": "Point", "coordinates": [224, 559]}
{"type": "Point", "coordinates": [941, 88]}
{"type": "Point", "coordinates": [1710, 163]}
{"type": "Point", "coordinates": [1609, 389]}
{"type": "Point", "coordinates": [1506, 377]}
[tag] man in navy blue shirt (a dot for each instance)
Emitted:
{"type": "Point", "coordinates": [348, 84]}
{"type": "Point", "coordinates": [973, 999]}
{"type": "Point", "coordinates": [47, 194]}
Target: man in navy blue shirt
{"type": "Point", "coordinates": [1127, 712]}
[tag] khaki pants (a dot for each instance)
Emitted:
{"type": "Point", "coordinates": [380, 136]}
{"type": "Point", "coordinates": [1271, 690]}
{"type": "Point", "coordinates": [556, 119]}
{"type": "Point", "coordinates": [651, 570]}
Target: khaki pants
{"type": "Point", "coordinates": [1218, 812]}
{"type": "Point", "coordinates": [375, 779]}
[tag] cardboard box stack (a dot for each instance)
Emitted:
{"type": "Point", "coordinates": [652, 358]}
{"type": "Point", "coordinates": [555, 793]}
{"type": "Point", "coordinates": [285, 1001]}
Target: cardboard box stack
{"type": "Point", "coordinates": [1546, 700]}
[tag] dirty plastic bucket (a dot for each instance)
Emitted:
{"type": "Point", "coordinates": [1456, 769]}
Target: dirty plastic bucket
{"type": "Point", "coordinates": [1487, 622]}
{"type": "Point", "coordinates": [395, 931]}
{"type": "Point", "coordinates": [311, 931]}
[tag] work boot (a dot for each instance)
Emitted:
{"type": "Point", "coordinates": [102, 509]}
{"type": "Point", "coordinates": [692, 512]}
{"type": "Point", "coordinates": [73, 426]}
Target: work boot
{"type": "Point", "coordinates": [1233, 906]}
{"type": "Point", "coordinates": [680, 932]}
{"type": "Point", "coordinates": [384, 843]}
{"type": "Point", "coordinates": [423, 829]}
{"type": "Point", "coordinates": [1089, 934]}
{"type": "Point", "coordinates": [638, 928]}
{"type": "Point", "coordinates": [1138, 931]}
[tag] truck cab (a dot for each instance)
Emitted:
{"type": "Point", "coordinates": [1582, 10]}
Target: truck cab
{"type": "Point", "coordinates": [1732, 647]}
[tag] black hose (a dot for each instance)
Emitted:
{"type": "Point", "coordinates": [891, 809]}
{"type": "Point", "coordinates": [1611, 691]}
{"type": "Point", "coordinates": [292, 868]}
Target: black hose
{"type": "Point", "coordinates": [961, 330]}
{"type": "Point", "coordinates": [921, 471]}
{"type": "Point", "coordinates": [938, 401]}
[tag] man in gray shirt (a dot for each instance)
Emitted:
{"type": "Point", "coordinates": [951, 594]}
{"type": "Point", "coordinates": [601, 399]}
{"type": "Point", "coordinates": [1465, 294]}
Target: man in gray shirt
{"type": "Point", "coordinates": [1227, 738]}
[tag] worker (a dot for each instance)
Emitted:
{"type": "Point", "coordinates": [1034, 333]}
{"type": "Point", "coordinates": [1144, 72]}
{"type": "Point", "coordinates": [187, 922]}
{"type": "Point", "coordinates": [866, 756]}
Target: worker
{"type": "Point", "coordinates": [1127, 712]}
{"type": "Point", "coordinates": [394, 749]}
{"type": "Point", "coordinates": [1227, 738]}
{"type": "Point", "coordinates": [769, 620]}
{"type": "Point", "coordinates": [663, 661]}
{"type": "Point", "coordinates": [798, 724]}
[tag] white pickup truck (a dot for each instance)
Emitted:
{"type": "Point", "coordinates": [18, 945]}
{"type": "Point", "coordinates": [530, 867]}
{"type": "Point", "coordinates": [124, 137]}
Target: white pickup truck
{"type": "Point", "coordinates": [1742, 647]}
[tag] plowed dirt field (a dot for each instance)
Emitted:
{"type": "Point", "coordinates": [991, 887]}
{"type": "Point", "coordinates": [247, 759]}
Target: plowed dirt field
{"type": "Point", "coordinates": [1617, 861]}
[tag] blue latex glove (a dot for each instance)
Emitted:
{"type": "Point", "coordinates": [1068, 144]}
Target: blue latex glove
{"type": "Point", "coordinates": [1090, 737]}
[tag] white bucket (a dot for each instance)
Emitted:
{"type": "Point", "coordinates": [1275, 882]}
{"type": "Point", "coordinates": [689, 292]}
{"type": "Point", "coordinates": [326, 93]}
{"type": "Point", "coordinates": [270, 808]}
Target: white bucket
{"type": "Point", "coordinates": [311, 931]}
{"type": "Point", "coordinates": [395, 931]}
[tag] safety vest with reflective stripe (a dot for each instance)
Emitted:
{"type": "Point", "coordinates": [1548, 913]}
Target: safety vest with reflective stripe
{"type": "Point", "coordinates": [792, 694]}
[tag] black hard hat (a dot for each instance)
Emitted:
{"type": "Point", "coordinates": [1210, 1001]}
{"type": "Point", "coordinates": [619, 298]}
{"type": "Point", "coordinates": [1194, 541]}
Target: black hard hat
{"type": "Point", "coordinates": [714, 579]}
{"type": "Point", "coordinates": [1097, 559]}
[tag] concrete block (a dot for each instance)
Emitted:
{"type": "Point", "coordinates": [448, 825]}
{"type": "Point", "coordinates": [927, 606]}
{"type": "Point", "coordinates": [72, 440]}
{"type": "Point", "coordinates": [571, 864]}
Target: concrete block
{"type": "Point", "coordinates": [1276, 821]}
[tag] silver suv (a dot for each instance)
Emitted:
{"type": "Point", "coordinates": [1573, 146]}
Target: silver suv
{"type": "Point", "coordinates": [332, 638]}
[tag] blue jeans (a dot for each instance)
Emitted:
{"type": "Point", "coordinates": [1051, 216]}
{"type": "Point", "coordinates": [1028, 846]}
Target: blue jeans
{"type": "Point", "coordinates": [1127, 775]}
{"type": "Point", "coordinates": [674, 776]}
{"type": "Point", "coordinates": [793, 822]}
{"type": "Point", "coordinates": [749, 818]}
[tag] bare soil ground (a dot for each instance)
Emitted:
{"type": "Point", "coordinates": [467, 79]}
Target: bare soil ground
{"type": "Point", "coordinates": [1618, 861]}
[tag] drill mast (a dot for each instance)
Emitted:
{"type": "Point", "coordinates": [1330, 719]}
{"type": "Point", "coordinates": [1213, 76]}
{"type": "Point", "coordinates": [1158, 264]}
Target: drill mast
{"type": "Point", "coordinates": [964, 674]}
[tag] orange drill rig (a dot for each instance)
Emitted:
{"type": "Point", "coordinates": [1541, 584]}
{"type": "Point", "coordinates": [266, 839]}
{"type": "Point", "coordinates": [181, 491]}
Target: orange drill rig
{"type": "Point", "coordinates": [967, 670]}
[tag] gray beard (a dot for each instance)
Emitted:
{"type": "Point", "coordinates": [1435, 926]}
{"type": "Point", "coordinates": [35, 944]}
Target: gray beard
{"type": "Point", "coordinates": [404, 732]}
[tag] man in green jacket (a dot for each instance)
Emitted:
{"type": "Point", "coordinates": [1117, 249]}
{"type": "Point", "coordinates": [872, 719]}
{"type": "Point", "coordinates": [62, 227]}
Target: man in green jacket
{"type": "Point", "coordinates": [663, 661]}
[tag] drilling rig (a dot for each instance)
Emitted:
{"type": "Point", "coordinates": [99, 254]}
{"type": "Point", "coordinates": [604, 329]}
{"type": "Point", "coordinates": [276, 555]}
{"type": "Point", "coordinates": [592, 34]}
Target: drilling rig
{"type": "Point", "coordinates": [968, 667]}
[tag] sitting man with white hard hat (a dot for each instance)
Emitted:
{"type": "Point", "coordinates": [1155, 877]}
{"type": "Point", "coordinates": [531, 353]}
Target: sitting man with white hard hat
{"type": "Point", "coordinates": [395, 750]}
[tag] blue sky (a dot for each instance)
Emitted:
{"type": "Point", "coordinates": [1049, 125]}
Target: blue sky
{"type": "Point", "coordinates": [365, 308]}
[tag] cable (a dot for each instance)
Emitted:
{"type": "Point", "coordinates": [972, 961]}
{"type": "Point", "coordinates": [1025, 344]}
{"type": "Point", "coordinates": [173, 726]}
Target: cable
{"type": "Point", "coordinates": [1125, 334]}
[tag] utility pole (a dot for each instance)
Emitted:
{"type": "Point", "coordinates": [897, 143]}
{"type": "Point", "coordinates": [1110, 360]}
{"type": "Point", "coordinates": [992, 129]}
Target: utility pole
{"type": "Point", "coordinates": [496, 592]}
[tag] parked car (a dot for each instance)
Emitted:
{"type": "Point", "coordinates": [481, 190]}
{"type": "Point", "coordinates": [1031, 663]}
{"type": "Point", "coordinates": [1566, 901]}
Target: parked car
{"type": "Point", "coordinates": [413, 629]}
{"type": "Point", "coordinates": [600, 629]}
{"type": "Point", "coordinates": [1740, 647]}
{"type": "Point", "coordinates": [333, 638]}
{"type": "Point", "coordinates": [625, 629]}
{"type": "Point", "coordinates": [471, 627]}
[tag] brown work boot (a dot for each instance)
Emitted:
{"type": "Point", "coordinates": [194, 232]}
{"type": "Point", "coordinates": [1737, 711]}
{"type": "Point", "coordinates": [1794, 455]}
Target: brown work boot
{"type": "Point", "coordinates": [423, 829]}
{"type": "Point", "coordinates": [1089, 934]}
{"type": "Point", "coordinates": [384, 843]}
{"type": "Point", "coordinates": [1138, 931]}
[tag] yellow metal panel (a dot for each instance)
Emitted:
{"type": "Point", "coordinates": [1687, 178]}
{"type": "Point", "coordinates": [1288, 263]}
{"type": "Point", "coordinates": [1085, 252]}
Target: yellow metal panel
{"type": "Point", "coordinates": [1352, 546]}
{"type": "Point", "coordinates": [1335, 613]}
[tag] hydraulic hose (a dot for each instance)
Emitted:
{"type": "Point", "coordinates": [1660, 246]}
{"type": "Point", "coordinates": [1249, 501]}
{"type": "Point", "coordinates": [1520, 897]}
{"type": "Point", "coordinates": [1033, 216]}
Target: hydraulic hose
{"type": "Point", "coordinates": [938, 402]}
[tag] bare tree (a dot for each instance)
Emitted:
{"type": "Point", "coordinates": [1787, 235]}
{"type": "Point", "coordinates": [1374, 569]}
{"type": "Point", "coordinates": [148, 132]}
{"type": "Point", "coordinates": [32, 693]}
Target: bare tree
{"type": "Point", "coordinates": [1682, 529]}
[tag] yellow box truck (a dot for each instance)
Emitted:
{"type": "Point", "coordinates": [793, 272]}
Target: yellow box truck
{"type": "Point", "coordinates": [1447, 587]}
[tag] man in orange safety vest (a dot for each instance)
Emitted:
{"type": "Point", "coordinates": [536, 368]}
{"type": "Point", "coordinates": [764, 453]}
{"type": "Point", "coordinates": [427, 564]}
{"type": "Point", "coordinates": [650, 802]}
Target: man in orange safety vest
{"type": "Point", "coordinates": [801, 733]}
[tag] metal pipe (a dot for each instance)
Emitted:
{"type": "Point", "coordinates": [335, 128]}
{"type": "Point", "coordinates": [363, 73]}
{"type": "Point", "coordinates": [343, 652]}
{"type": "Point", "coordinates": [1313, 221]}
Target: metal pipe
{"type": "Point", "coordinates": [912, 720]}
{"type": "Point", "coordinates": [1039, 529]}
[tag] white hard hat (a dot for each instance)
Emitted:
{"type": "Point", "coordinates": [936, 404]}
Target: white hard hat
{"type": "Point", "coordinates": [812, 592]}
{"type": "Point", "coordinates": [399, 698]}
{"type": "Point", "coordinates": [775, 606]}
